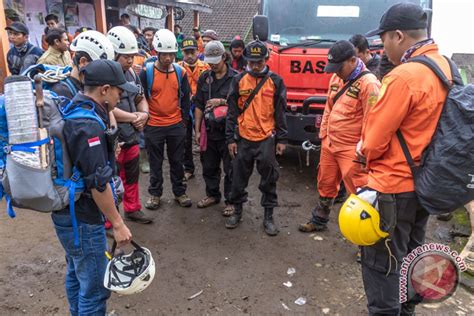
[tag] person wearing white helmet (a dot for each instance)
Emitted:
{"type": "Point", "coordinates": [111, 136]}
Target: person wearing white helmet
{"type": "Point", "coordinates": [167, 91]}
{"type": "Point", "coordinates": [131, 114]}
{"type": "Point", "coordinates": [87, 46]}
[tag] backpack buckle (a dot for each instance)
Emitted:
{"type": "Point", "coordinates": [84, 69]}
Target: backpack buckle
{"type": "Point", "coordinates": [75, 177]}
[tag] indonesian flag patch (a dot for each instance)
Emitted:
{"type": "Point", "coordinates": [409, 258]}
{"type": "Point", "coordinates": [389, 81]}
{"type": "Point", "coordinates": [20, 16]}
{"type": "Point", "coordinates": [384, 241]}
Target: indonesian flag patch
{"type": "Point", "coordinates": [95, 141]}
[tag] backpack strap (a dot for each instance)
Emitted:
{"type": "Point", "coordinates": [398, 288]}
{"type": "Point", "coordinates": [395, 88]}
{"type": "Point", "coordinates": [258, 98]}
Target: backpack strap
{"type": "Point", "coordinates": [149, 69]}
{"type": "Point", "coordinates": [430, 63]}
{"type": "Point", "coordinates": [254, 93]}
{"type": "Point", "coordinates": [179, 74]}
{"type": "Point", "coordinates": [348, 85]}
{"type": "Point", "coordinates": [73, 112]}
{"type": "Point", "coordinates": [414, 168]}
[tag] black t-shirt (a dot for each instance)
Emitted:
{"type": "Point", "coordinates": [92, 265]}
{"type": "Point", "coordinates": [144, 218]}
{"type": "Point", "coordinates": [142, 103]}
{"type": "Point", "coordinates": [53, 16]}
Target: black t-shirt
{"type": "Point", "coordinates": [87, 145]}
{"type": "Point", "coordinates": [208, 87]}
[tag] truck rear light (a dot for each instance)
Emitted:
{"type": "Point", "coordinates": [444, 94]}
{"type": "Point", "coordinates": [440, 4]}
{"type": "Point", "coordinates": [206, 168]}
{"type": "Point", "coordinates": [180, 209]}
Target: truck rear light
{"type": "Point", "coordinates": [318, 120]}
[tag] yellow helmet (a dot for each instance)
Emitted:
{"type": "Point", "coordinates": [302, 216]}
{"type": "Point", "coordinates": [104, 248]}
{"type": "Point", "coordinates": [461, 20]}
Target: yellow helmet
{"type": "Point", "coordinates": [360, 222]}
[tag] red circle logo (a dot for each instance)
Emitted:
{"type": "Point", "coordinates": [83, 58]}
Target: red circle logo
{"type": "Point", "coordinates": [434, 277]}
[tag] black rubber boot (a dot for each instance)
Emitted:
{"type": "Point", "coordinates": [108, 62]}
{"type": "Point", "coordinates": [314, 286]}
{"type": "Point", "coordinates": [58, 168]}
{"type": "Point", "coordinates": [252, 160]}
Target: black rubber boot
{"type": "Point", "coordinates": [268, 223]}
{"type": "Point", "coordinates": [234, 220]}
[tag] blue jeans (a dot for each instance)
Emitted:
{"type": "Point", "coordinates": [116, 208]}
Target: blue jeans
{"type": "Point", "coordinates": [85, 264]}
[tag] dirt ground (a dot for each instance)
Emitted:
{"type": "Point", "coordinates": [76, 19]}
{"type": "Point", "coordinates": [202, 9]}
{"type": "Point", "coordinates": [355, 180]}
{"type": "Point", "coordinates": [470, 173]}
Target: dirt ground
{"type": "Point", "coordinates": [240, 271]}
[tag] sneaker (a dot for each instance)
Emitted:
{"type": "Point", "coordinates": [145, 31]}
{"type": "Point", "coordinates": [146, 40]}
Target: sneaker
{"type": "Point", "coordinates": [184, 201]}
{"type": "Point", "coordinates": [139, 217]}
{"type": "Point", "coordinates": [145, 167]}
{"type": "Point", "coordinates": [312, 227]}
{"type": "Point", "coordinates": [153, 203]}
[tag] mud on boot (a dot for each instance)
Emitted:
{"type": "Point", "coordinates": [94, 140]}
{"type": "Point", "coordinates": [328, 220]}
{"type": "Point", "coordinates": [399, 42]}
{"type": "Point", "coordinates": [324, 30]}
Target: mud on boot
{"type": "Point", "coordinates": [234, 220]}
{"type": "Point", "coordinates": [268, 224]}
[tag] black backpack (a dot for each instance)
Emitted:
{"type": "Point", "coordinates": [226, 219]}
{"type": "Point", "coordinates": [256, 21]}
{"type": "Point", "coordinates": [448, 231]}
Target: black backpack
{"type": "Point", "coordinates": [444, 181]}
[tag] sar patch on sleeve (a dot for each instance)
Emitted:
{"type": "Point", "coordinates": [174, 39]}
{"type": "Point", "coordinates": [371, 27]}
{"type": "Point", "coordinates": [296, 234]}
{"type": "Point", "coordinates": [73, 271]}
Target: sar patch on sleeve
{"type": "Point", "coordinates": [94, 141]}
{"type": "Point", "coordinates": [372, 100]}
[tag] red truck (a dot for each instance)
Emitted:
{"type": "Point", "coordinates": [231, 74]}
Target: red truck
{"type": "Point", "coordinates": [298, 34]}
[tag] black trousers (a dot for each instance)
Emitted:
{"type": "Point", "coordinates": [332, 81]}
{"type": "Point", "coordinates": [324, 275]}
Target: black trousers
{"type": "Point", "coordinates": [211, 159]}
{"type": "Point", "coordinates": [382, 291]}
{"type": "Point", "coordinates": [188, 148]}
{"type": "Point", "coordinates": [263, 154]}
{"type": "Point", "coordinates": [155, 139]}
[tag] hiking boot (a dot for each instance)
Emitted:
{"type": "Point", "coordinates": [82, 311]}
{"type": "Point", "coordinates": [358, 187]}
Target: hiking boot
{"type": "Point", "coordinates": [144, 164]}
{"type": "Point", "coordinates": [207, 201]}
{"type": "Point", "coordinates": [312, 227]}
{"type": "Point", "coordinates": [153, 203]}
{"type": "Point", "coordinates": [228, 210]}
{"type": "Point", "coordinates": [234, 220]}
{"type": "Point", "coordinates": [317, 222]}
{"type": "Point", "coordinates": [268, 224]}
{"type": "Point", "coordinates": [139, 217]}
{"type": "Point", "coordinates": [184, 201]}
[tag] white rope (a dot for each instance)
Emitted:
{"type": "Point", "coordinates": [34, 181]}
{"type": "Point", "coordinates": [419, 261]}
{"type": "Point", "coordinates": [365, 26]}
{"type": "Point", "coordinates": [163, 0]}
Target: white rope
{"type": "Point", "coordinates": [53, 76]}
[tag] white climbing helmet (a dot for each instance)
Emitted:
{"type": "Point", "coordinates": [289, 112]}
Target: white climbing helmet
{"type": "Point", "coordinates": [94, 43]}
{"type": "Point", "coordinates": [132, 273]}
{"type": "Point", "coordinates": [123, 40]}
{"type": "Point", "coordinates": [164, 41]}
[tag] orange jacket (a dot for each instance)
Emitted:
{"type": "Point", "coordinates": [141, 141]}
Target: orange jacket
{"type": "Point", "coordinates": [342, 122]}
{"type": "Point", "coordinates": [266, 113]}
{"type": "Point", "coordinates": [194, 74]}
{"type": "Point", "coordinates": [165, 107]}
{"type": "Point", "coordinates": [411, 99]}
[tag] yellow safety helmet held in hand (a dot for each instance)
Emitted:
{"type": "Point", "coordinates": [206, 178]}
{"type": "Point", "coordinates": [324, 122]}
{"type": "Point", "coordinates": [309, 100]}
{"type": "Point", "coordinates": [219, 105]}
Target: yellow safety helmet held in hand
{"type": "Point", "coordinates": [360, 222]}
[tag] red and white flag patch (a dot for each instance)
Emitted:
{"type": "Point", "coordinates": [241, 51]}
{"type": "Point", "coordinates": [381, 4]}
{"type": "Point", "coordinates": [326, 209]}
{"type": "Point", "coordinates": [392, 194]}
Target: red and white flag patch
{"type": "Point", "coordinates": [95, 141]}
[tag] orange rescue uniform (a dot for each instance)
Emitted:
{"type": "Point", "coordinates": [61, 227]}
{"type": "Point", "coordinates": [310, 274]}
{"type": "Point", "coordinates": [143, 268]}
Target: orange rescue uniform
{"type": "Point", "coordinates": [163, 103]}
{"type": "Point", "coordinates": [341, 130]}
{"type": "Point", "coordinates": [411, 99]}
{"type": "Point", "coordinates": [194, 73]}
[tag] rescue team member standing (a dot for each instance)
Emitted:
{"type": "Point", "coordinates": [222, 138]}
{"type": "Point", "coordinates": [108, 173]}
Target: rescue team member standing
{"type": "Point", "coordinates": [353, 90]}
{"type": "Point", "coordinates": [169, 112]}
{"type": "Point", "coordinates": [211, 96]}
{"type": "Point", "coordinates": [194, 68]}
{"type": "Point", "coordinates": [58, 51]}
{"type": "Point", "coordinates": [92, 154]}
{"type": "Point", "coordinates": [259, 126]}
{"type": "Point", "coordinates": [411, 100]}
{"type": "Point", "coordinates": [132, 114]}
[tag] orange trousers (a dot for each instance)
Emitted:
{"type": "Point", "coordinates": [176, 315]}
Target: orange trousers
{"type": "Point", "coordinates": [336, 164]}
